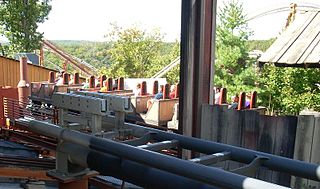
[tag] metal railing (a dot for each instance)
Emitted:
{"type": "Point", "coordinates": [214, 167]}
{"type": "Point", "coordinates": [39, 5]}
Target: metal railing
{"type": "Point", "coordinates": [14, 109]}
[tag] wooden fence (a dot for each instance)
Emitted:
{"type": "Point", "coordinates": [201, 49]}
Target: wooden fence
{"type": "Point", "coordinates": [288, 136]}
{"type": "Point", "coordinates": [307, 147]}
{"type": "Point", "coordinates": [10, 72]}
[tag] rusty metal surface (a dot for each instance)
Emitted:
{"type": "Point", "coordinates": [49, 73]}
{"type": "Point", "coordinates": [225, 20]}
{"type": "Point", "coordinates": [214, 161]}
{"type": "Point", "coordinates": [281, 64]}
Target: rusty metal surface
{"type": "Point", "coordinates": [17, 161]}
{"type": "Point", "coordinates": [15, 109]}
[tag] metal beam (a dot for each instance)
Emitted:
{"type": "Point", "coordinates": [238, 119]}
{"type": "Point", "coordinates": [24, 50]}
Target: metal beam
{"type": "Point", "coordinates": [197, 172]}
{"type": "Point", "coordinates": [212, 159]}
{"type": "Point", "coordinates": [168, 144]}
{"type": "Point", "coordinates": [197, 34]}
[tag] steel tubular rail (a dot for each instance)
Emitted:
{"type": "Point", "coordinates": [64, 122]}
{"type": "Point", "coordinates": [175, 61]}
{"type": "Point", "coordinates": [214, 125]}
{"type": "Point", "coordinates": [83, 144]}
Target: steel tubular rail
{"type": "Point", "coordinates": [276, 163]}
{"type": "Point", "coordinates": [127, 170]}
{"type": "Point", "coordinates": [198, 172]}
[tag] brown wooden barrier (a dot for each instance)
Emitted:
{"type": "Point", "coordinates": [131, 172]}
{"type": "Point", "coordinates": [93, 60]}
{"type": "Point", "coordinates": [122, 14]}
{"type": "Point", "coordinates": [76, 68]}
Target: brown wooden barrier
{"type": "Point", "coordinates": [248, 129]}
{"type": "Point", "coordinates": [307, 146]}
{"type": "Point", "coordinates": [10, 72]}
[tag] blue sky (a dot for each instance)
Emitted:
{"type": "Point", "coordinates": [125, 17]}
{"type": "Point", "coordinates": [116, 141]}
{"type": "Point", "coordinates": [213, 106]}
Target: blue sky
{"type": "Point", "coordinates": [90, 20]}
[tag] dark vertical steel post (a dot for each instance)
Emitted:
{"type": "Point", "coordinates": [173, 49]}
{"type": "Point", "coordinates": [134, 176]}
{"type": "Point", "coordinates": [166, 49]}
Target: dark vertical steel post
{"type": "Point", "coordinates": [196, 51]}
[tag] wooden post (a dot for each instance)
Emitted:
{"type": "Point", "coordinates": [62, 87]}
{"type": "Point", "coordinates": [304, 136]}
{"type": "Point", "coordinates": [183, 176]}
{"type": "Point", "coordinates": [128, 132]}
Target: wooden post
{"type": "Point", "coordinates": [41, 56]}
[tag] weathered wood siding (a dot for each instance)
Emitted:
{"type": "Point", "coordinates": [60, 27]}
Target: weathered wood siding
{"type": "Point", "coordinates": [298, 45]}
{"type": "Point", "coordinates": [307, 147]}
{"type": "Point", "coordinates": [248, 129]}
{"type": "Point", "coordinates": [10, 72]}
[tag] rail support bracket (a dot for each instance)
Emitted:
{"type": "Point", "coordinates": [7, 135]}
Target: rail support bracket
{"type": "Point", "coordinates": [251, 169]}
{"type": "Point", "coordinates": [68, 174]}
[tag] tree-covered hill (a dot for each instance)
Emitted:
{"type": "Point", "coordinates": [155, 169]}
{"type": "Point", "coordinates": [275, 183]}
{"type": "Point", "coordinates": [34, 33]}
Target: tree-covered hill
{"type": "Point", "coordinates": [95, 53]}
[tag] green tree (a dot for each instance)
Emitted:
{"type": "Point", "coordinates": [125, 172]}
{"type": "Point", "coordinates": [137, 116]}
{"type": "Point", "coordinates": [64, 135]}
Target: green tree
{"type": "Point", "coordinates": [20, 19]}
{"type": "Point", "coordinates": [233, 68]}
{"type": "Point", "coordinates": [138, 54]}
{"type": "Point", "coordinates": [173, 76]}
{"type": "Point", "coordinates": [290, 90]}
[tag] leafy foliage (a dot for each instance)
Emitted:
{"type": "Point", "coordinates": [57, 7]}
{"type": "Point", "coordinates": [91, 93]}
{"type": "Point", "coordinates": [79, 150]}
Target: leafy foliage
{"type": "Point", "coordinates": [262, 45]}
{"type": "Point", "coordinates": [91, 52]}
{"type": "Point", "coordinates": [283, 90]}
{"type": "Point", "coordinates": [138, 54]}
{"type": "Point", "coordinates": [290, 90]}
{"type": "Point", "coordinates": [19, 20]}
{"type": "Point", "coordinates": [233, 68]}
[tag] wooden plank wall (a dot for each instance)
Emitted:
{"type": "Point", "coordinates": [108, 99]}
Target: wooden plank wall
{"type": "Point", "coordinates": [307, 147]}
{"type": "Point", "coordinates": [10, 72]}
{"type": "Point", "coordinates": [248, 129]}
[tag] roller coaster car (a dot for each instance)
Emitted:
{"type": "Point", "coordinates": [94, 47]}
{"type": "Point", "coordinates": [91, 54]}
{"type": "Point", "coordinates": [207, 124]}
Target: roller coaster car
{"type": "Point", "coordinates": [120, 92]}
{"type": "Point", "coordinates": [159, 114]}
{"type": "Point", "coordinates": [139, 103]}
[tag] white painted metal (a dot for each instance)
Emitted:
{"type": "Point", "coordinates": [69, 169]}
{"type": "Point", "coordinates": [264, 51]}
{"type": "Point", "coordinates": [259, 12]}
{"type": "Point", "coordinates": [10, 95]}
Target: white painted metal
{"type": "Point", "coordinates": [250, 183]}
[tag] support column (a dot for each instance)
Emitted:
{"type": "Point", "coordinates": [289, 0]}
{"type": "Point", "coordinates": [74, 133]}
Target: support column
{"type": "Point", "coordinates": [23, 85]}
{"type": "Point", "coordinates": [197, 45]}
